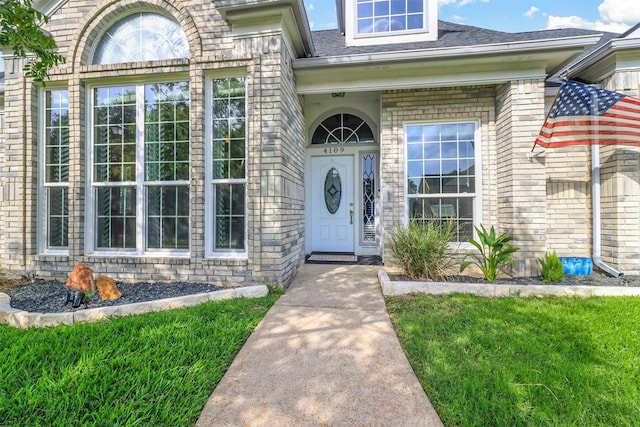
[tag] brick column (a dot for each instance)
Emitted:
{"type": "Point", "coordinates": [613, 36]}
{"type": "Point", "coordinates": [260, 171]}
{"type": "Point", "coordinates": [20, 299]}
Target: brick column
{"type": "Point", "coordinates": [521, 184]}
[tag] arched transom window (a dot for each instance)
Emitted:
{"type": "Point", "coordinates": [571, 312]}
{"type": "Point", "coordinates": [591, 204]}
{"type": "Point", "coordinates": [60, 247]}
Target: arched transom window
{"type": "Point", "coordinates": [142, 37]}
{"type": "Point", "coordinates": [343, 129]}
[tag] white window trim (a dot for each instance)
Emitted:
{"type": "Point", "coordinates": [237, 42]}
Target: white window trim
{"type": "Point", "coordinates": [428, 33]}
{"type": "Point", "coordinates": [42, 211]}
{"type": "Point", "coordinates": [478, 199]}
{"type": "Point", "coordinates": [141, 250]}
{"type": "Point", "coordinates": [209, 215]}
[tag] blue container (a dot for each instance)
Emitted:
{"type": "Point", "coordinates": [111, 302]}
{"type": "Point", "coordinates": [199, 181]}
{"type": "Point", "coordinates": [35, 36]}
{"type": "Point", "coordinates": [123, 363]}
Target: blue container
{"type": "Point", "coordinates": [576, 266]}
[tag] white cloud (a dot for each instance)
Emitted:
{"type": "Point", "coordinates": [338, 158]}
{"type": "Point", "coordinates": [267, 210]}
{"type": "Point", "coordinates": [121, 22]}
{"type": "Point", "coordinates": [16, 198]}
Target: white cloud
{"type": "Point", "coordinates": [532, 11]}
{"type": "Point", "coordinates": [623, 11]}
{"type": "Point", "coordinates": [457, 18]}
{"type": "Point", "coordinates": [616, 16]}
{"type": "Point", "coordinates": [310, 6]}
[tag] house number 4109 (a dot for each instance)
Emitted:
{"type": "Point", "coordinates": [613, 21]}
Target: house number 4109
{"type": "Point", "coordinates": [333, 150]}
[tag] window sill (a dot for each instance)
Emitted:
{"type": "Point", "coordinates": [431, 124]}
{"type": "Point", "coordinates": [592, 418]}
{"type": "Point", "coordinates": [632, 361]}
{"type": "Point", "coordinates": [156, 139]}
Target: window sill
{"type": "Point", "coordinates": [227, 255]}
{"type": "Point", "coordinates": [149, 258]}
{"type": "Point", "coordinates": [226, 259]}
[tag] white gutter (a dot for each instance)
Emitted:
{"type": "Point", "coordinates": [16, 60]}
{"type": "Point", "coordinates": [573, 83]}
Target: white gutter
{"type": "Point", "coordinates": [597, 224]}
{"type": "Point", "coordinates": [609, 48]}
{"type": "Point", "coordinates": [431, 53]}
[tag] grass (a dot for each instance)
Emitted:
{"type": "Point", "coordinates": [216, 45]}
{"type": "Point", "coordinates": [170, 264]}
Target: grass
{"type": "Point", "coordinates": [524, 361]}
{"type": "Point", "coordinates": [153, 369]}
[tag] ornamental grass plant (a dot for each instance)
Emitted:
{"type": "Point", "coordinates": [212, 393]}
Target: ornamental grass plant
{"type": "Point", "coordinates": [551, 268]}
{"type": "Point", "coordinates": [422, 248]}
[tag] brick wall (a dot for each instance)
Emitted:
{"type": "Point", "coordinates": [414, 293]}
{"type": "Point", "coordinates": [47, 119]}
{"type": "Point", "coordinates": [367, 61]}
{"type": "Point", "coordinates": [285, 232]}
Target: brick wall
{"type": "Point", "coordinates": [521, 183]}
{"type": "Point", "coordinates": [433, 105]}
{"type": "Point", "coordinates": [514, 190]}
{"type": "Point", "coordinates": [275, 147]}
{"type": "Point", "coordinates": [620, 190]}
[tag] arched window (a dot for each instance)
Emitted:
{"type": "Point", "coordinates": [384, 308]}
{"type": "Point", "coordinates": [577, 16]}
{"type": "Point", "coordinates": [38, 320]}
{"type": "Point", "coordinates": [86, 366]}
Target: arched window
{"type": "Point", "coordinates": [343, 129]}
{"type": "Point", "coordinates": [142, 37]}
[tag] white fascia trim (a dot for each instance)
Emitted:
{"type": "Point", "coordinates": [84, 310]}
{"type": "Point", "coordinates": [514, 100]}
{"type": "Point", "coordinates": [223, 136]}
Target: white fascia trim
{"type": "Point", "coordinates": [48, 7]}
{"type": "Point", "coordinates": [497, 48]}
{"type": "Point", "coordinates": [445, 81]}
{"type": "Point", "coordinates": [613, 46]}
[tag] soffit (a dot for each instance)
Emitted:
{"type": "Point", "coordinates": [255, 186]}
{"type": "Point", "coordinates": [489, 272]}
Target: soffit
{"type": "Point", "coordinates": [485, 64]}
{"type": "Point", "coordinates": [48, 6]}
{"type": "Point", "coordinates": [616, 54]}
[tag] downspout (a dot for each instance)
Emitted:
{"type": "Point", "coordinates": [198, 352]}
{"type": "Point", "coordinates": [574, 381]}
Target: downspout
{"type": "Point", "coordinates": [595, 203]}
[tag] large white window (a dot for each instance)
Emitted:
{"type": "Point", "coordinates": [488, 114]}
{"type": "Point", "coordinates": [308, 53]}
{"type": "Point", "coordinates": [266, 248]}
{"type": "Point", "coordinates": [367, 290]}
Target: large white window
{"type": "Point", "coordinates": [226, 169]}
{"type": "Point", "coordinates": [441, 174]}
{"type": "Point", "coordinates": [55, 170]}
{"type": "Point", "coordinates": [140, 167]}
{"type": "Point", "coordinates": [369, 22]}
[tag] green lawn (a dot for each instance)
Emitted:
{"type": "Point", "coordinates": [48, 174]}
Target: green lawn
{"type": "Point", "coordinates": [525, 361]}
{"type": "Point", "coordinates": [155, 369]}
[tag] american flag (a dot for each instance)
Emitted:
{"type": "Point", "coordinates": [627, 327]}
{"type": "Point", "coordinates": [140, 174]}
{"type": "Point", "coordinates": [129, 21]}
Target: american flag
{"type": "Point", "coordinates": [585, 115]}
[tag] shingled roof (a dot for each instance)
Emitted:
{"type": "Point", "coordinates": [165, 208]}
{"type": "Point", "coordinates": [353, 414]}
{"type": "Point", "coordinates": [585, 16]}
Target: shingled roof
{"type": "Point", "coordinates": [332, 42]}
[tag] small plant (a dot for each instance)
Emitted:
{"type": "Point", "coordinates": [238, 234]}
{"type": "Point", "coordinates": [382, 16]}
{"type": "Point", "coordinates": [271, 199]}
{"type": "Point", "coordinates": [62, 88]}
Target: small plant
{"type": "Point", "coordinates": [552, 268]}
{"type": "Point", "coordinates": [495, 252]}
{"type": "Point", "coordinates": [422, 248]}
{"type": "Point", "coordinates": [30, 276]}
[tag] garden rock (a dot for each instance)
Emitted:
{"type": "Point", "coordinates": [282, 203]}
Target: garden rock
{"type": "Point", "coordinates": [81, 279]}
{"type": "Point", "coordinates": [107, 288]}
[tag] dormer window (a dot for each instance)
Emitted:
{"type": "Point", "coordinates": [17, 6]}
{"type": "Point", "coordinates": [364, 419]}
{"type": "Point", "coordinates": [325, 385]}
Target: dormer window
{"type": "Point", "coordinates": [371, 22]}
{"type": "Point", "coordinates": [387, 16]}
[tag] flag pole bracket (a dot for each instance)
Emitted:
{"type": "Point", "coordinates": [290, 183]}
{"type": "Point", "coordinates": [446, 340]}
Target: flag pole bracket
{"type": "Point", "coordinates": [537, 156]}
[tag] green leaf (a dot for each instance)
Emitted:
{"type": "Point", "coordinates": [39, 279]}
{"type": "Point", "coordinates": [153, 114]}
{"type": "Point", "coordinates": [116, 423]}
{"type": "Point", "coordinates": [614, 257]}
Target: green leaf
{"type": "Point", "coordinates": [20, 31]}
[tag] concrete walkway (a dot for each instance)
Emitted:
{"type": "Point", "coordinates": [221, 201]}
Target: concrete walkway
{"type": "Point", "coordinates": [324, 355]}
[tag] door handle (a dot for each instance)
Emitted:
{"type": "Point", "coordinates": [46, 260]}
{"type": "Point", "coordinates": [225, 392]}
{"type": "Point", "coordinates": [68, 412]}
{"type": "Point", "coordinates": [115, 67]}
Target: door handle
{"type": "Point", "coordinates": [351, 215]}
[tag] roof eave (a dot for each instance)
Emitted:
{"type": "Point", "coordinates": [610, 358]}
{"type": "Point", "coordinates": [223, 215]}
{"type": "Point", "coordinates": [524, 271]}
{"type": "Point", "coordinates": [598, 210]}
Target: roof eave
{"type": "Point", "coordinates": [48, 7]}
{"type": "Point", "coordinates": [608, 49]}
{"type": "Point", "coordinates": [452, 52]}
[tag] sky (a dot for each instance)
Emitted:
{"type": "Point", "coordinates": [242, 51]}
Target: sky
{"type": "Point", "coordinates": [511, 15]}
{"type": "Point", "coordinates": [514, 15]}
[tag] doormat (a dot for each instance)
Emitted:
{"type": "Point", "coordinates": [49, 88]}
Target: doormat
{"type": "Point", "coordinates": [332, 258]}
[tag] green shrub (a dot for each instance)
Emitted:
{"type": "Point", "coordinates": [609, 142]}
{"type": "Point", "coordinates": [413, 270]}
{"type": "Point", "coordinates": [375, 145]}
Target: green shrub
{"type": "Point", "coordinates": [552, 269]}
{"type": "Point", "coordinates": [495, 252]}
{"type": "Point", "coordinates": [422, 248]}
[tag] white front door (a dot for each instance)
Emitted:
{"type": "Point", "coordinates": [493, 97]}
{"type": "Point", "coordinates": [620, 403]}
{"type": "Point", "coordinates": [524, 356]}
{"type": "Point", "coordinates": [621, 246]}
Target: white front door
{"type": "Point", "coordinates": [332, 210]}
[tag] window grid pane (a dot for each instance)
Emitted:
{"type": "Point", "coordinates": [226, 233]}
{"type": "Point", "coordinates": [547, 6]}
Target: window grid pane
{"type": "Point", "coordinates": [229, 209]}
{"type": "Point", "coordinates": [57, 136]}
{"type": "Point", "coordinates": [58, 217]}
{"type": "Point", "coordinates": [167, 132]}
{"type": "Point", "coordinates": [229, 130]}
{"type": "Point", "coordinates": [229, 146]}
{"type": "Point", "coordinates": [56, 168]}
{"type": "Point", "coordinates": [441, 174]}
{"type": "Point", "coordinates": [116, 217]}
{"type": "Point", "coordinates": [387, 16]}
{"type": "Point", "coordinates": [168, 217]}
{"type": "Point", "coordinates": [115, 134]}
